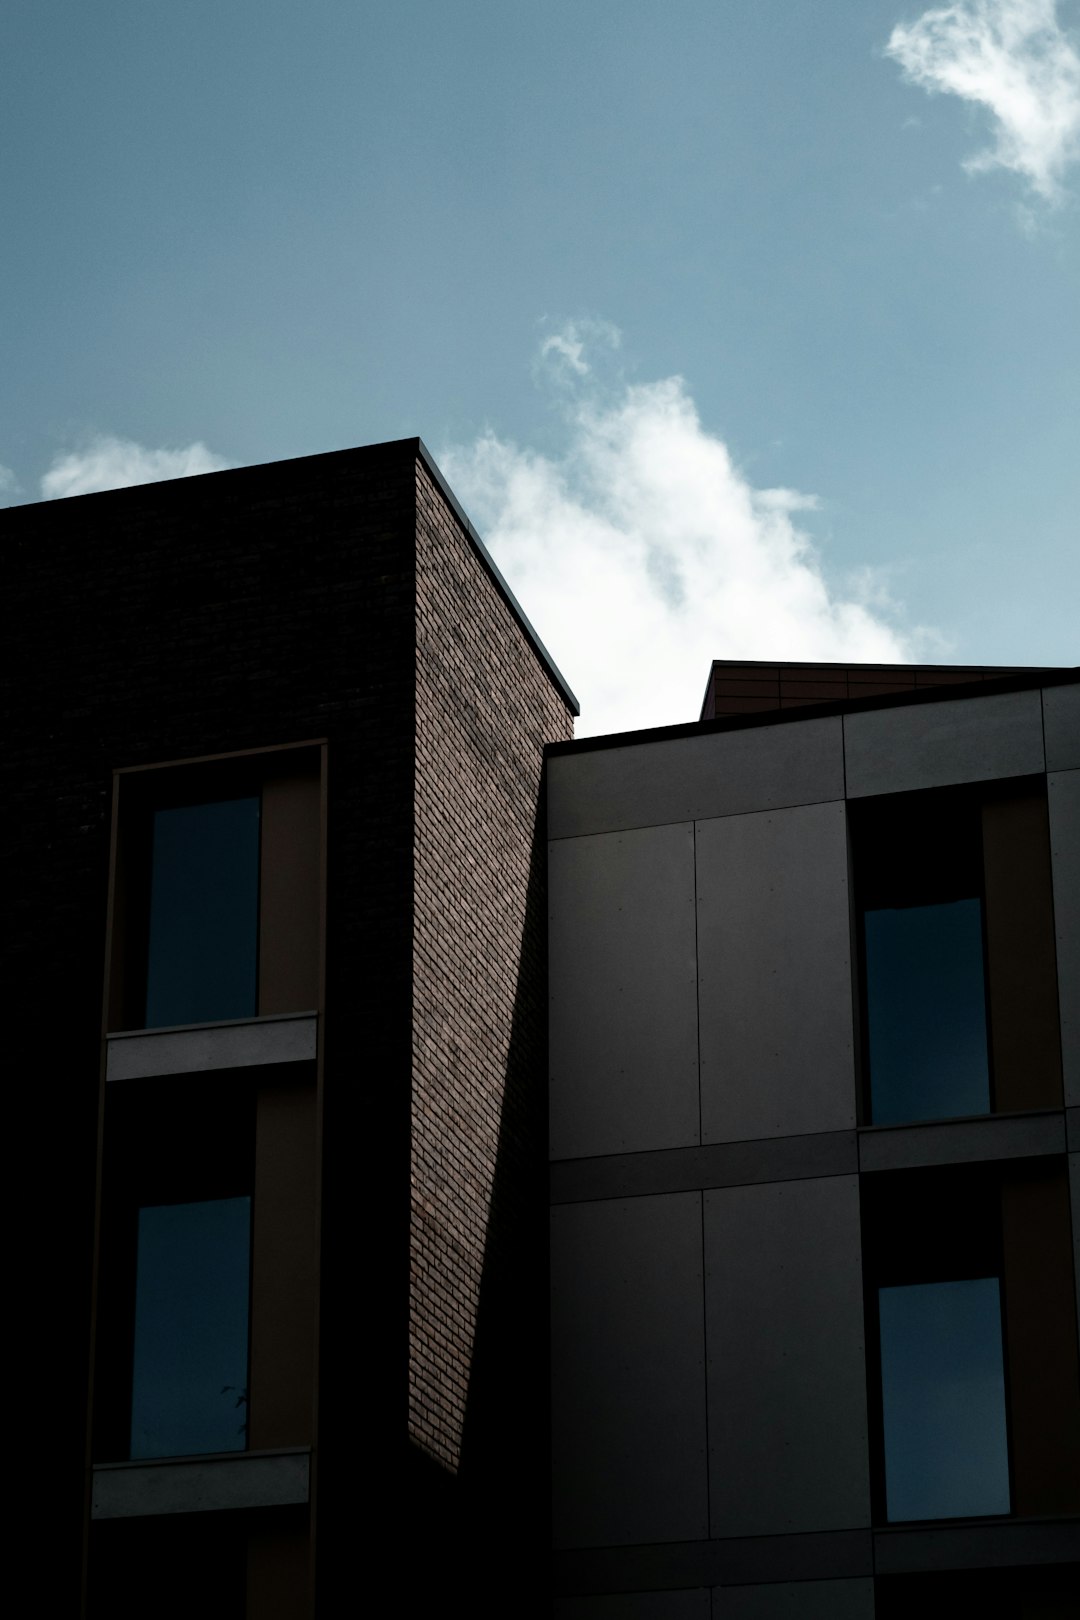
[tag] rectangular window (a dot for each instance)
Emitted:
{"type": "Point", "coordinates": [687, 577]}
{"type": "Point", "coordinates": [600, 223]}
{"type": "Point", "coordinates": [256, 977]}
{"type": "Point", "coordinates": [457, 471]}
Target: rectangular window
{"type": "Point", "coordinates": [956, 949]}
{"type": "Point", "coordinates": [926, 1011]}
{"type": "Point", "coordinates": [190, 1371]}
{"type": "Point", "coordinates": [204, 913]}
{"type": "Point", "coordinates": [943, 1400]}
{"type": "Point", "coordinates": [918, 869]}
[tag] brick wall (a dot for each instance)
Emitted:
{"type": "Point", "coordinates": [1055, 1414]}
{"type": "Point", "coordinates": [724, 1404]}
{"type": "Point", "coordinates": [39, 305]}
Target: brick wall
{"type": "Point", "coordinates": [485, 706]}
{"type": "Point", "coordinates": [234, 611]}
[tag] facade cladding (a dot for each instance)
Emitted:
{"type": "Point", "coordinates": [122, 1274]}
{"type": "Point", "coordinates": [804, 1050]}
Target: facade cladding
{"type": "Point", "coordinates": [297, 931]}
{"type": "Point", "coordinates": [815, 1079]}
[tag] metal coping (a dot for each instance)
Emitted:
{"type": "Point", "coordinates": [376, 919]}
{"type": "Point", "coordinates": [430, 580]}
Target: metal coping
{"type": "Point", "coordinates": [821, 711]}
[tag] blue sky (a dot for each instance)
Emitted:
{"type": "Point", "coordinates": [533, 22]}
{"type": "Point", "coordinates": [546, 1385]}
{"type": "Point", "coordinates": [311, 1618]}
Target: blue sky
{"type": "Point", "coordinates": [742, 328]}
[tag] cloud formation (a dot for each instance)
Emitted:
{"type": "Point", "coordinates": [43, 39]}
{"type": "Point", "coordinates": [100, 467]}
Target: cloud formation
{"type": "Point", "coordinates": [9, 484]}
{"type": "Point", "coordinates": [1014, 58]}
{"type": "Point", "coordinates": [641, 553]}
{"type": "Point", "coordinates": [107, 462]}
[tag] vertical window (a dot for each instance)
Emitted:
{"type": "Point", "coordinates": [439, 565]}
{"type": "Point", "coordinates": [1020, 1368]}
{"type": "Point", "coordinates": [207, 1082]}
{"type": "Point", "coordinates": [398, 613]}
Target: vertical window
{"type": "Point", "coordinates": [189, 1379]}
{"type": "Point", "coordinates": [204, 913]}
{"type": "Point", "coordinates": [943, 1400]}
{"type": "Point", "coordinates": [918, 864]}
{"type": "Point", "coordinates": [926, 1011]}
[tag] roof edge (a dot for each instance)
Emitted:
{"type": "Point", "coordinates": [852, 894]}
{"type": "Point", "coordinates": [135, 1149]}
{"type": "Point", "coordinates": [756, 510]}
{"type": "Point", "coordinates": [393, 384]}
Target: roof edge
{"type": "Point", "coordinates": [493, 569]}
{"type": "Point", "coordinates": [1054, 676]}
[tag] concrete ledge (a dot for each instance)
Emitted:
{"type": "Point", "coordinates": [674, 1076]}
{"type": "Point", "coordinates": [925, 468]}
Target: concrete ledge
{"type": "Point", "coordinates": [976, 1546]}
{"type": "Point", "coordinates": [723, 1164]}
{"type": "Point", "coordinates": [249, 1479]}
{"type": "Point", "coordinates": [966, 1141]}
{"type": "Point", "coordinates": [195, 1048]}
{"type": "Point", "coordinates": [738, 1561]}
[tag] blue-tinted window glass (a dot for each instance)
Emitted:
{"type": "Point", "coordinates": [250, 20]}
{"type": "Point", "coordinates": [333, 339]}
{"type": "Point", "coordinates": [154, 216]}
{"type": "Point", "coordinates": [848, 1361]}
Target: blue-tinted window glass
{"type": "Point", "coordinates": [926, 1010]}
{"type": "Point", "coordinates": [189, 1388]}
{"type": "Point", "coordinates": [943, 1399]}
{"type": "Point", "coordinates": [204, 913]}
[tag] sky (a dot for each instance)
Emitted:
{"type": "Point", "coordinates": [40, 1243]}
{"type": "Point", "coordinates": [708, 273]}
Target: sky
{"type": "Point", "coordinates": [741, 328]}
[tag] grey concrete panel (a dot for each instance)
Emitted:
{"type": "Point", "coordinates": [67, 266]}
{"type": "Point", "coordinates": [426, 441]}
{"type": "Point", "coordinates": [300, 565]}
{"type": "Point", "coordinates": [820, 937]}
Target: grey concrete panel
{"type": "Point", "coordinates": [144, 1054]}
{"type": "Point", "coordinates": [930, 745]}
{"type": "Point", "coordinates": [796, 1600]}
{"type": "Point", "coordinates": [757, 1560]}
{"type": "Point", "coordinates": [969, 1141]}
{"type": "Point", "coordinates": [629, 1459]}
{"type": "Point", "coordinates": [738, 1561]}
{"type": "Point", "coordinates": [623, 992]}
{"type": "Point", "coordinates": [201, 1484]}
{"type": "Point", "coordinates": [1061, 720]}
{"type": "Point", "coordinates": [1072, 1129]}
{"type": "Point", "coordinates": [720, 773]}
{"type": "Point", "coordinates": [983, 1546]}
{"type": "Point", "coordinates": [774, 974]}
{"type": "Point", "coordinates": [688, 1605]}
{"type": "Point", "coordinates": [786, 1363]}
{"type": "Point", "coordinates": [726, 1164]}
{"type": "Point", "coordinates": [655, 1567]}
{"type": "Point", "coordinates": [1063, 791]}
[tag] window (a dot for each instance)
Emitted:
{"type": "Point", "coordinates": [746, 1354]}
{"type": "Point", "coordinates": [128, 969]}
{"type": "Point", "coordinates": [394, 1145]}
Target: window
{"type": "Point", "coordinates": [216, 891]}
{"type": "Point", "coordinates": [921, 911]}
{"type": "Point", "coordinates": [971, 1341]}
{"type": "Point", "coordinates": [956, 949]}
{"type": "Point", "coordinates": [943, 1399]}
{"type": "Point", "coordinates": [189, 1378]}
{"type": "Point", "coordinates": [202, 945]}
{"type": "Point", "coordinates": [176, 1277]}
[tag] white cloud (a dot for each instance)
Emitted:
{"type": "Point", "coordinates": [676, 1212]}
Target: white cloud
{"type": "Point", "coordinates": [642, 553]}
{"type": "Point", "coordinates": [563, 351]}
{"type": "Point", "coordinates": [9, 484]}
{"type": "Point", "coordinates": [107, 462]}
{"type": "Point", "coordinates": [1014, 58]}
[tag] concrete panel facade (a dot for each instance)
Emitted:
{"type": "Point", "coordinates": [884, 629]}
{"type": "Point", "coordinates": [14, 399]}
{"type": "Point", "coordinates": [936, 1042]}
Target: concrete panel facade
{"type": "Point", "coordinates": [1061, 720]}
{"type": "Point", "coordinates": [629, 1457]}
{"type": "Point", "coordinates": [687, 1605]}
{"type": "Point", "coordinates": [1063, 793]}
{"type": "Point", "coordinates": [721, 773]}
{"type": "Point", "coordinates": [936, 744]}
{"type": "Point", "coordinates": [796, 1600]}
{"type": "Point", "coordinates": [775, 996]}
{"type": "Point", "coordinates": [786, 1364]}
{"type": "Point", "coordinates": [623, 993]}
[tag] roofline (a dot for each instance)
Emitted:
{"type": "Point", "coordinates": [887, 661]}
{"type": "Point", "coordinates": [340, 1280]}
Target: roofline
{"type": "Point", "coordinates": [988, 671]}
{"type": "Point", "coordinates": [493, 569]}
{"type": "Point", "coordinates": [1061, 676]}
{"type": "Point", "coordinates": [416, 448]}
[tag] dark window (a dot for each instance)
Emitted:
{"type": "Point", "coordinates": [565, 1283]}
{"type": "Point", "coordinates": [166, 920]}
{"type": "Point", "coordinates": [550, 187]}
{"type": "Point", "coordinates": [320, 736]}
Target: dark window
{"type": "Point", "coordinates": [926, 1011]}
{"type": "Point", "coordinates": [174, 1310]}
{"type": "Point", "coordinates": [189, 1377]}
{"type": "Point", "coordinates": [204, 913]}
{"type": "Point", "coordinates": [958, 969]}
{"type": "Point", "coordinates": [943, 1400]}
{"type": "Point", "coordinates": [918, 867]}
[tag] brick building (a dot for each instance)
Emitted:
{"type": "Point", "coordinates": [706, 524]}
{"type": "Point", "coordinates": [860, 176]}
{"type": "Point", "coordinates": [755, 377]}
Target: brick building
{"type": "Point", "coordinates": [320, 920]}
{"type": "Point", "coordinates": [274, 672]}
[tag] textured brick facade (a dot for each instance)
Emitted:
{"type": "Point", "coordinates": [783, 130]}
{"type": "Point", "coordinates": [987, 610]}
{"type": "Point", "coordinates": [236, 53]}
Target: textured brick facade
{"type": "Point", "coordinates": [338, 597]}
{"type": "Point", "coordinates": [479, 1005]}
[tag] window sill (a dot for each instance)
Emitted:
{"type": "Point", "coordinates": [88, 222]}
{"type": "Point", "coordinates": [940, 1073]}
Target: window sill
{"type": "Point", "coordinates": [137, 1054]}
{"type": "Point", "coordinates": [243, 1479]}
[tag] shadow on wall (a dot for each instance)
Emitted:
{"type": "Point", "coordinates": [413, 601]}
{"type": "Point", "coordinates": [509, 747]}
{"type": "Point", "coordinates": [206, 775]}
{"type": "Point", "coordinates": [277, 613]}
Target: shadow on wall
{"type": "Point", "coordinates": [486, 1530]}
